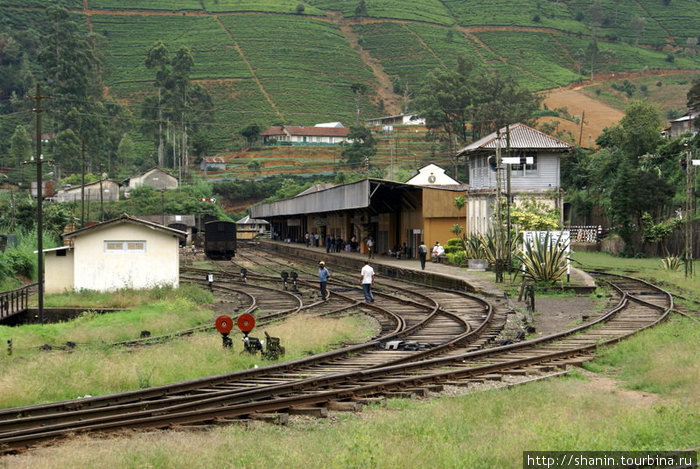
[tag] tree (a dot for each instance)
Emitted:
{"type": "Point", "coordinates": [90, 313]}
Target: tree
{"type": "Point", "coordinates": [179, 108]}
{"type": "Point", "coordinates": [361, 9]}
{"type": "Point", "coordinates": [447, 100]}
{"type": "Point", "coordinates": [300, 8]}
{"type": "Point", "coordinates": [358, 91]}
{"type": "Point", "coordinates": [67, 151]}
{"type": "Point", "coordinates": [20, 148]}
{"type": "Point", "coordinates": [251, 133]}
{"type": "Point", "coordinates": [693, 97]}
{"type": "Point", "coordinates": [362, 148]}
{"type": "Point", "coordinates": [157, 58]}
{"type": "Point", "coordinates": [637, 25]}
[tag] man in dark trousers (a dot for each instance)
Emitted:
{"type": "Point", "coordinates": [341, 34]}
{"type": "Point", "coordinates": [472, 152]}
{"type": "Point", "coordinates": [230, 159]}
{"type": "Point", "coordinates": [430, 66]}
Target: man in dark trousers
{"type": "Point", "coordinates": [323, 276]}
{"type": "Point", "coordinates": [367, 275]}
{"type": "Point", "coordinates": [422, 252]}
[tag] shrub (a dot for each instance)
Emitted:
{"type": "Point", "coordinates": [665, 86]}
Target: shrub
{"type": "Point", "coordinates": [543, 260]}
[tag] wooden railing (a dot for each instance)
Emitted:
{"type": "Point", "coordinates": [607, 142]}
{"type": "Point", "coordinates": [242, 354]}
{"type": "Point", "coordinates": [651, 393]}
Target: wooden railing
{"type": "Point", "coordinates": [15, 301]}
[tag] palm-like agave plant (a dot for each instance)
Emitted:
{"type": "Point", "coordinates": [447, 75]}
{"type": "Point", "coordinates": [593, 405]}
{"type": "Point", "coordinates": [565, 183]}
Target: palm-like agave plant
{"type": "Point", "coordinates": [544, 260]}
{"type": "Point", "coordinates": [494, 246]}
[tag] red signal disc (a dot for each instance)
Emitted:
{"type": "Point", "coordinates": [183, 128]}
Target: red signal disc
{"type": "Point", "coordinates": [224, 324]}
{"type": "Point", "coordinates": [246, 322]}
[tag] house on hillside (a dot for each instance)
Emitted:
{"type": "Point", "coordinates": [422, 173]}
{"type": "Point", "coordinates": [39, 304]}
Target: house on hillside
{"type": "Point", "coordinates": [121, 253]}
{"type": "Point", "coordinates": [399, 119]}
{"type": "Point", "coordinates": [432, 175]}
{"type": "Point", "coordinates": [104, 190]}
{"type": "Point", "coordinates": [155, 178]}
{"type": "Point", "coordinates": [212, 163]}
{"type": "Point", "coordinates": [320, 134]}
{"type": "Point", "coordinates": [686, 124]}
{"type": "Point", "coordinates": [535, 175]}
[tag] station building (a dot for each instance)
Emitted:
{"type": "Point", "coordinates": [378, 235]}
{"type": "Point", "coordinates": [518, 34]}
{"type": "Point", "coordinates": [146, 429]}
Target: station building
{"type": "Point", "coordinates": [125, 252]}
{"type": "Point", "coordinates": [392, 213]}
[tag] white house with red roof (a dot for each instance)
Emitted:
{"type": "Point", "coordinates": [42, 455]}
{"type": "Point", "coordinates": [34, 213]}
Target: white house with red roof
{"type": "Point", "coordinates": [320, 134]}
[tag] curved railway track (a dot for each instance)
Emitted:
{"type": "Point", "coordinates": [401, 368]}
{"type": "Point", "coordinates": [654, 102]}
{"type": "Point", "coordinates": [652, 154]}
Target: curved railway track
{"type": "Point", "coordinates": [351, 373]}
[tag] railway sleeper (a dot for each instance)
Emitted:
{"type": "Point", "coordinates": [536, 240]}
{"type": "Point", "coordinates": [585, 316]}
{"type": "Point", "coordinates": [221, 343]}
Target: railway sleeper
{"type": "Point", "coordinates": [318, 412]}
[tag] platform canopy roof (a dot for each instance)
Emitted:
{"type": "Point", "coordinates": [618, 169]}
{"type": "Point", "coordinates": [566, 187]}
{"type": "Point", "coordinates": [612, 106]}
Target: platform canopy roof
{"type": "Point", "coordinates": [377, 195]}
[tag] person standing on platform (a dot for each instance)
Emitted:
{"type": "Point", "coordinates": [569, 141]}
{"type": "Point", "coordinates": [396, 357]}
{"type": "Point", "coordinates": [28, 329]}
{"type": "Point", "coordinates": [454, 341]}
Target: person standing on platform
{"type": "Point", "coordinates": [367, 275]}
{"type": "Point", "coordinates": [329, 243]}
{"type": "Point", "coordinates": [323, 276]}
{"type": "Point", "coordinates": [422, 253]}
{"type": "Point", "coordinates": [370, 247]}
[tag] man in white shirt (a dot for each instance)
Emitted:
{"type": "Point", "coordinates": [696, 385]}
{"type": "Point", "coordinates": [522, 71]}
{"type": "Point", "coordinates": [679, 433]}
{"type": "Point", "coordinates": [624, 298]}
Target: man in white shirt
{"type": "Point", "coordinates": [367, 275]}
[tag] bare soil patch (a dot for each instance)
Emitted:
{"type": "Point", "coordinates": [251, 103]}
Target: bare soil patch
{"type": "Point", "coordinates": [598, 115]}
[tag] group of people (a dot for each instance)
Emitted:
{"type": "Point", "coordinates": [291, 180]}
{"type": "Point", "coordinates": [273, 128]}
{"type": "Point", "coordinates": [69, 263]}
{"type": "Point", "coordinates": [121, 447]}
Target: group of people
{"type": "Point", "coordinates": [366, 276]}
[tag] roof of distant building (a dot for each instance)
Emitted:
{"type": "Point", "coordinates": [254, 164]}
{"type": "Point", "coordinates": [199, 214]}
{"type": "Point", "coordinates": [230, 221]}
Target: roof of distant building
{"type": "Point", "coordinates": [302, 131]}
{"type": "Point", "coordinates": [124, 219]}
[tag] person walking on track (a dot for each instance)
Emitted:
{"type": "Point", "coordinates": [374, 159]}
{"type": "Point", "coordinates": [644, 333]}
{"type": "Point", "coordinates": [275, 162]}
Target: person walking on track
{"type": "Point", "coordinates": [422, 253]}
{"type": "Point", "coordinates": [323, 276]}
{"type": "Point", "coordinates": [367, 275]}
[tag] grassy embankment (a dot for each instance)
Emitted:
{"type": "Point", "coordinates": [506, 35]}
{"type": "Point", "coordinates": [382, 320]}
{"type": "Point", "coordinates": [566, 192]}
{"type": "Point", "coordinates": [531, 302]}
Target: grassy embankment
{"type": "Point", "coordinates": [95, 367]}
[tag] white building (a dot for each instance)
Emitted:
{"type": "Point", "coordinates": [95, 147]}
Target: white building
{"type": "Point", "coordinates": [399, 119]}
{"type": "Point", "coordinates": [155, 177]}
{"type": "Point", "coordinates": [536, 175]}
{"type": "Point", "coordinates": [322, 134]}
{"type": "Point", "coordinates": [121, 253]}
{"type": "Point", "coordinates": [432, 175]}
{"type": "Point", "coordinates": [105, 190]}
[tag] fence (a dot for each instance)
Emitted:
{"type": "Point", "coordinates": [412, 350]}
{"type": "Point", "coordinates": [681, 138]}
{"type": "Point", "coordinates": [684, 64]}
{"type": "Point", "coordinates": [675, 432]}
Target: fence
{"type": "Point", "coordinates": [15, 301]}
{"type": "Point", "coordinates": [584, 234]}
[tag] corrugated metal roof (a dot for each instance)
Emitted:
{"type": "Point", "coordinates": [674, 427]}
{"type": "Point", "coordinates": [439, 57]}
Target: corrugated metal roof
{"type": "Point", "coordinates": [251, 221]}
{"type": "Point", "coordinates": [125, 219]}
{"type": "Point", "coordinates": [315, 188]}
{"type": "Point", "coordinates": [522, 137]}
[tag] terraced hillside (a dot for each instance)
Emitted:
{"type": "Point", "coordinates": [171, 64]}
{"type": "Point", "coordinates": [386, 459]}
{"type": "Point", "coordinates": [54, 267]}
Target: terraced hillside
{"type": "Point", "coordinates": [290, 61]}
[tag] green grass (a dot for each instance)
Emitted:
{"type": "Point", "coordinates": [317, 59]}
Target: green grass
{"type": "Point", "coordinates": [649, 269]}
{"type": "Point", "coordinates": [94, 367]}
{"type": "Point", "coordinates": [164, 5]}
{"type": "Point", "coordinates": [487, 429]}
{"type": "Point", "coordinates": [660, 361]}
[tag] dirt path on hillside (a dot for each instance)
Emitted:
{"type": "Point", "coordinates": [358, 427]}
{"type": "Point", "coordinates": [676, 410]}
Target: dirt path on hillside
{"type": "Point", "coordinates": [384, 87]}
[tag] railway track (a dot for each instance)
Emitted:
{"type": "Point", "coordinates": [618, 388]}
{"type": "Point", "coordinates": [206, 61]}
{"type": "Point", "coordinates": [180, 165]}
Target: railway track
{"type": "Point", "coordinates": [338, 376]}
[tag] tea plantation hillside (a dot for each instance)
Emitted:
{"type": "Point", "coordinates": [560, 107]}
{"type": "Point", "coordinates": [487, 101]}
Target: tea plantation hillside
{"type": "Point", "coordinates": [295, 62]}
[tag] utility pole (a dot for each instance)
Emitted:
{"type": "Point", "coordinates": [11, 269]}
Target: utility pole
{"type": "Point", "coordinates": [40, 208]}
{"type": "Point", "coordinates": [580, 134]}
{"type": "Point", "coordinates": [508, 200]}
{"type": "Point", "coordinates": [689, 189]}
{"type": "Point", "coordinates": [82, 186]}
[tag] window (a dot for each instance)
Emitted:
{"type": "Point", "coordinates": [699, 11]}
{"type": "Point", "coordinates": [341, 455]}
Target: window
{"type": "Point", "coordinates": [527, 167]}
{"type": "Point", "coordinates": [125, 246]}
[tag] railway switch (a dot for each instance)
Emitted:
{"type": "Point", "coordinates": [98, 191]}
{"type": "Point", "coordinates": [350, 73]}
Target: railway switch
{"type": "Point", "coordinates": [273, 349]}
{"type": "Point", "coordinates": [210, 281]}
{"type": "Point", "coordinates": [252, 345]}
{"type": "Point", "coordinates": [294, 277]}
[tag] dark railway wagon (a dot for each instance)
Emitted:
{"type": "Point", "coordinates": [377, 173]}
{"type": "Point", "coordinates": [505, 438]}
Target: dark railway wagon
{"type": "Point", "coordinates": [220, 239]}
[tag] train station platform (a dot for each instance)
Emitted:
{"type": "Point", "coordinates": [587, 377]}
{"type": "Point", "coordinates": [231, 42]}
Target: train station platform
{"type": "Point", "coordinates": [480, 282]}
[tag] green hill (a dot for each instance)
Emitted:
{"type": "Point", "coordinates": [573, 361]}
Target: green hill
{"type": "Point", "coordinates": [292, 61]}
